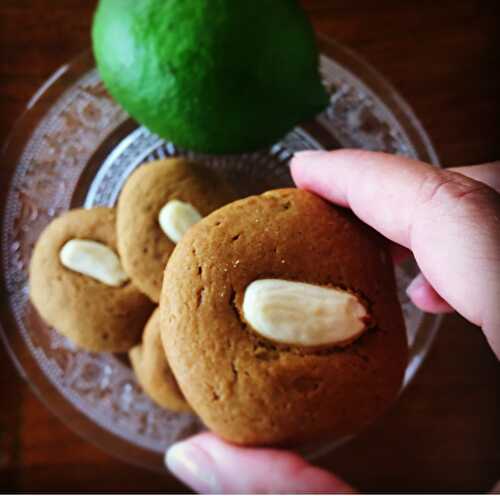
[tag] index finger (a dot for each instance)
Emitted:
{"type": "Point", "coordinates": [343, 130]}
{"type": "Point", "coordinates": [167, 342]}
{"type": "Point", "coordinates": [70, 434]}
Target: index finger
{"type": "Point", "coordinates": [385, 191]}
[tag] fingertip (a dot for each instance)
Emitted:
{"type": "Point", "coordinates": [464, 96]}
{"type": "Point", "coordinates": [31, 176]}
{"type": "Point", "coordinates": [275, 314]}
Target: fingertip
{"type": "Point", "coordinates": [193, 465]}
{"type": "Point", "coordinates": [315, 171]}
{"type": "Point", "coordinates": [306, 156]}
{"type": "Point", "coordinates": [307, 160]}
{"type": "Point", "coordinates": [425, 297]}
{"type": "Point", "coordinates": [210, 465]}
{"type": "Point", "coordinates": [301, 164]}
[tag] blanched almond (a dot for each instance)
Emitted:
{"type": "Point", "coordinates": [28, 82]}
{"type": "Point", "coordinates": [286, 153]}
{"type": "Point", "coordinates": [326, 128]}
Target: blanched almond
{"type": "Point", "coordinates": [303, 314]}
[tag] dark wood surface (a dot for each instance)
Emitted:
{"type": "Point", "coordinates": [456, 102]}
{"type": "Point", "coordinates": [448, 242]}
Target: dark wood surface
{"type": "Point", "coordinates": [443, 435]}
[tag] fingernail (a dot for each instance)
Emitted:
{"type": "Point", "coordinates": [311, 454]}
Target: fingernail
{"type": "Point", "coordinates": [308, 156]}
{"type": "Point", "coordinates": [193, 466]}
{"type": "Point", "coordinates": [416, 285]}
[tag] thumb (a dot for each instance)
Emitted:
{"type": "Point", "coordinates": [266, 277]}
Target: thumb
{"type": "Point", "coordinates": [209, 465]}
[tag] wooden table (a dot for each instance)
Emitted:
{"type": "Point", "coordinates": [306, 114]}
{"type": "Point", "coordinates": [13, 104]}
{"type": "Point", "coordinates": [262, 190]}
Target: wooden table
{"type": "Point", "coordinates": [444, 433]}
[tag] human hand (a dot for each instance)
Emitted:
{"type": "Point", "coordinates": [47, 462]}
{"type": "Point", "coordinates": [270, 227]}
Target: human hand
{"type": "Point", "coordinates": [450, 220]}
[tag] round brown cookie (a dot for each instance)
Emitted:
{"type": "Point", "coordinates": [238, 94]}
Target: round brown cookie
{"type": "Point", "coordinates": [144, 247]}
{"type": "Point", "coordinates": [95, 316]}
{"type": "Point", "coordinates": [152, 370]}
{"type": "Point", "coordinates": [246, 388]}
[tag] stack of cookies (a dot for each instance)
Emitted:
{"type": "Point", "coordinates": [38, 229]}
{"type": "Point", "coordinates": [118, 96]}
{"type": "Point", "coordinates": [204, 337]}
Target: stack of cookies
{"type": "Point", "coordinates": [278, 319]}
{"type": "Point", "coordinates": [96, 274]}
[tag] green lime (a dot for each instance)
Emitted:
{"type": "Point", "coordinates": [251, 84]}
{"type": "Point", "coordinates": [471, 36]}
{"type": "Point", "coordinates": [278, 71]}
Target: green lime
{"type": "Point", "coordinates": [214, 76]}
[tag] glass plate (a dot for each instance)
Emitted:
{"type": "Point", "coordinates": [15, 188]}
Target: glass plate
{"type": "Point", "coordinates": [75, 146]}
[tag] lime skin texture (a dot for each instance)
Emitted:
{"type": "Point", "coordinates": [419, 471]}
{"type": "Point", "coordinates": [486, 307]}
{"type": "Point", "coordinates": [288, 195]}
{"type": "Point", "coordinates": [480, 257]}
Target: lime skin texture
{"type": "Point", "coordinates": [213, 76]}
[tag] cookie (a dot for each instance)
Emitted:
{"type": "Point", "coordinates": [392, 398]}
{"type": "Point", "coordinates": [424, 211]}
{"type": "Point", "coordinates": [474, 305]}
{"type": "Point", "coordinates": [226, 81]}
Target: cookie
{"type": "Point", "coordinates": [250, 389]}
{"type": "Point", "coordinates": [152, 370]}
{"type": "Point", "coordinates": [143, 245]}
{"type": "Point", "coordinates": [94, 315]}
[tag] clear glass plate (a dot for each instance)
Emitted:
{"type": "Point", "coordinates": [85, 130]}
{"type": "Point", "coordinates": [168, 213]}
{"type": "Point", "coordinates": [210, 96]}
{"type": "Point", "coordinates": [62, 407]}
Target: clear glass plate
{"type": "Point", "coordinates": [75, 146]}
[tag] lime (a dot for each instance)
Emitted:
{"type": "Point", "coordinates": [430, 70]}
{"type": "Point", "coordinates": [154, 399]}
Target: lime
{"type": "Point", "coordinates": [214, 76]}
